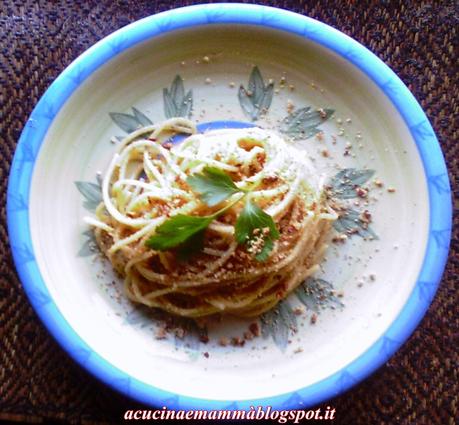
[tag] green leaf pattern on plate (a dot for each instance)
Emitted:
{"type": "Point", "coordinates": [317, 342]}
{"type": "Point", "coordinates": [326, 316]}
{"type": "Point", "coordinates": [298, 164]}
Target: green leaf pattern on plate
{"type": "Point", "coordinates": [193, 333]}
{"type": "Point", "coordinates": [343, 185]}
{"type": "Point", "coordinates": [277, 323]}
{"type": "Point", "coordinates": [141, 118]}
{"type": "Point", "coordinates": [130, 123]}
{"type": "Point", "coordinates": [257, 99]}
{"type": "Point", "coordinates": [140, 315]}
{"type": "Point", "coordinates": [92, 193]}
{"type": "Point", "coordinates": [317, 294]}
{"type": "Point", "coordinates": [349, 222]}
{"type": "Point", "coordinates": [143, 316]}
{"type": "Point", "coordinates": [176, 102]}
{"type": "Point", "coordinates": [89, 247]}
{"type": "Point", "coordinates": [303, 123]}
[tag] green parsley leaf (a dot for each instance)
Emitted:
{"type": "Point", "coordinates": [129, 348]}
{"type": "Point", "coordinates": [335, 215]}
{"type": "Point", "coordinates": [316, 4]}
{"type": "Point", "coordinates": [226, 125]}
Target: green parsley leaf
{"type": "Point", "coordinates": [177, 230]}
{"type": "Point", "coordinates": [191, 246]}
{"type": "Point", "coordinates": [252, 217]}
{"type": "Point", "coordinates": [268, 246]}
{"type": "Point", "coordinates": [213, 185]}
{"type": "Point", "coordinates": [253, 226]}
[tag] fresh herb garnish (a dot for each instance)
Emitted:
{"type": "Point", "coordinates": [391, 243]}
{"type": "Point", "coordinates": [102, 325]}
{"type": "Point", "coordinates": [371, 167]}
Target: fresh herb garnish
{"type": "Point", "coordinates": [256, 229]}
{"type": "Point", "coordinates": [191, 246]}
{"type": "Point", "coordinates": [253, 227]}
{"type": "Point", "coordinates": [177, 230]}
{"type": "Point", "coordinates": [213, 185]}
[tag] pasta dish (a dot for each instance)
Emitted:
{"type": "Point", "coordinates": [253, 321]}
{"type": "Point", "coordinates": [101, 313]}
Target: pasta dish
{"type": "Point", "coordinates": [226, 221]}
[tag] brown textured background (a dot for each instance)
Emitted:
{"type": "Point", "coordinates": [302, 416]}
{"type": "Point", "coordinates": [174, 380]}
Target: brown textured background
{"type": "Point", "coordinates": [419, 40]}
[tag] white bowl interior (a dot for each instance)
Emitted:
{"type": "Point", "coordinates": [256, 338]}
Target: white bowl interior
{"type": "Point", "coordinates": [78, 145]}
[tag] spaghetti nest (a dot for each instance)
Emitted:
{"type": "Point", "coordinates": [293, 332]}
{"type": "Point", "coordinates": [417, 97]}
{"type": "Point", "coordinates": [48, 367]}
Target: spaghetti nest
{"type": "Point", "coordinates": [148, 184]}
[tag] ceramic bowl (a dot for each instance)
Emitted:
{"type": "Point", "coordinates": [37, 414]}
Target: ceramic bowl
{"type": "Point", "coordinates": [373, 289]}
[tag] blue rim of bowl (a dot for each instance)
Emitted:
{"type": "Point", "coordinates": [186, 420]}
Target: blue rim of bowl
{"type": "Point", "coordinates": [76, 73]}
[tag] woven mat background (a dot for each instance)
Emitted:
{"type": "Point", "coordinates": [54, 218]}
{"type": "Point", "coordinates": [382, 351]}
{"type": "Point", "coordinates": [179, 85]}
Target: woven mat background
{"type": "Point", "coordinates": [419, 40]}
